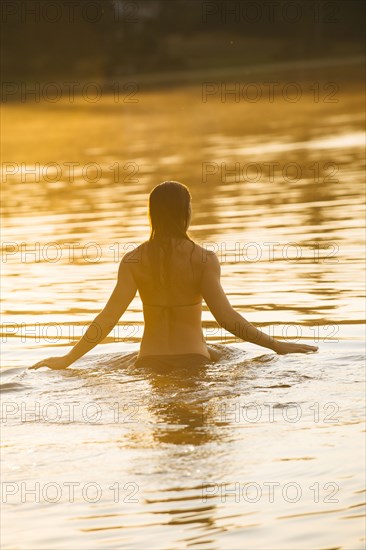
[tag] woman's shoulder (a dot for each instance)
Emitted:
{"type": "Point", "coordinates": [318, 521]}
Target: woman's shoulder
{"type": "Point", "coordinates": [205, 254]}
{"type": "Point", "coordinates": [134, 252]}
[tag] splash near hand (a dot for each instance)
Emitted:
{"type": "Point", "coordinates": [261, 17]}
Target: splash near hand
{"type": "Point", "coordinates": [56, 363]}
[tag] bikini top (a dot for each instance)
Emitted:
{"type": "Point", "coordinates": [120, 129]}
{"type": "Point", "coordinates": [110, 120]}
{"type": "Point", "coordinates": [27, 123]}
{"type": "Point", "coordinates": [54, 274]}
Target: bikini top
{"type": "Point", "coordinates": [164, 306]}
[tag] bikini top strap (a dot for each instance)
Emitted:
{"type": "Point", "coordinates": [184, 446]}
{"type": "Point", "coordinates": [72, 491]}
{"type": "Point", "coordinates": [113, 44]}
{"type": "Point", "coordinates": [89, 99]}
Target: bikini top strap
{"type": "Point", "coordinates": [171, 305]}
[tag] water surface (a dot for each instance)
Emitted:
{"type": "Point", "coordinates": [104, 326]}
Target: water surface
{"type": "Point", "coordinates": [256, 451]}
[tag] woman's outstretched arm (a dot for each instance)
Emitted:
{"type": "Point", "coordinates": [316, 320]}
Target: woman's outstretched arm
{"type": "Point", "coordinates": [231, 320]}
{"type": "Point", "coordinates": [104, 322]}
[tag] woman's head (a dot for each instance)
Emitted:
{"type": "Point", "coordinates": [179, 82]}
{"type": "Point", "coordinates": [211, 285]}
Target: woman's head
{"type": "Point", "coordinates": [169, 210]}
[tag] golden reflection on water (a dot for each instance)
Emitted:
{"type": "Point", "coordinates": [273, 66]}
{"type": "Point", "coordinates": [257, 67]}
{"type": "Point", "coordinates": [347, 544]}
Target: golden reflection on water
{"type": "Point", "coordinates": [292, 256]}
{"type": "Point", "coordinates": [262, 176]}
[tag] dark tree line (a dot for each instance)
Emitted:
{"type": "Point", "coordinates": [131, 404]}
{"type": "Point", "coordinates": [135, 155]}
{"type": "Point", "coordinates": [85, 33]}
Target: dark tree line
{"type": "Point", "coordinates": [107, 38]}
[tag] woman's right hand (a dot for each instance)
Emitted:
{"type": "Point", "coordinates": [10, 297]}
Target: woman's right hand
{"type": "Point", "coordinates": [287, 347]}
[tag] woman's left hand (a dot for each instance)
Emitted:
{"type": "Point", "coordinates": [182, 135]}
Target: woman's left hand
{"type": "Point", "coordinates": [55, 363]}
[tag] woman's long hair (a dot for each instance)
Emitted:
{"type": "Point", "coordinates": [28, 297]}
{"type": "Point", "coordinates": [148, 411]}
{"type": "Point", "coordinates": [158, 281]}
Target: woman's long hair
{"type": "Point", "coordinates": [169, 212]}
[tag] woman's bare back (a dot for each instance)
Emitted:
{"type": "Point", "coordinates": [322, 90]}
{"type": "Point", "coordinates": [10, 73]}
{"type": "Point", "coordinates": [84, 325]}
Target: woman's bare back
{"type": "Point", "coordinates": [172, 312]}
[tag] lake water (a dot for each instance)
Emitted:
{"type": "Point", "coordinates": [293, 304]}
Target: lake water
{"type": "Point", "coordinates": [257, 451]}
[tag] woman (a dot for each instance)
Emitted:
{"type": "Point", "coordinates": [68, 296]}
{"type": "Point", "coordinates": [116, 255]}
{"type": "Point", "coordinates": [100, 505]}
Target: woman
{"type": "Point", "coordinates": [172, 274]}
